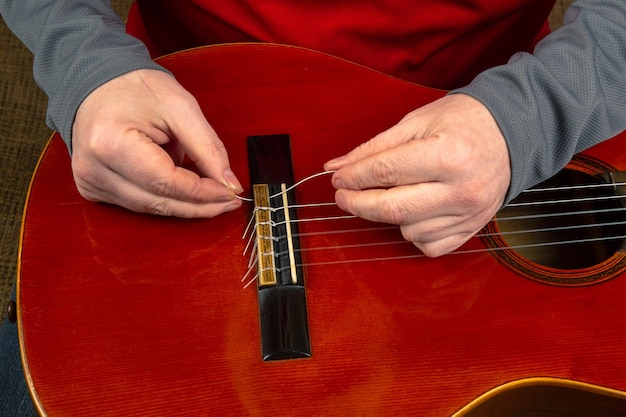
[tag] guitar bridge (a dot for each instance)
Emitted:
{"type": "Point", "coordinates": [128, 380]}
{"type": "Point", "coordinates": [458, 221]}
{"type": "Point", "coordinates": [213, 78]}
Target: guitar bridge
{"type": "Point", "coordinates": [281, 291]}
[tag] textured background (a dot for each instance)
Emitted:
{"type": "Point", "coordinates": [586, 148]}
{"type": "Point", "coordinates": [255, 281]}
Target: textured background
{"type": "Point", "coordinates": [23, 135]}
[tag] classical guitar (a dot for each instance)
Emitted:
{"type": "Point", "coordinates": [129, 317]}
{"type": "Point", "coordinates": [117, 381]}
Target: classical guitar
{"type": "Point", "coordinates": [290, 307]}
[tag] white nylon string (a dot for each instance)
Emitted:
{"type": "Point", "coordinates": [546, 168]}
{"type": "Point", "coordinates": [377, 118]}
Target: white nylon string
{"type": "Point", "coordinates": [310, 177]}
{"type": "Point", "coordinates": [525, 204]}
{"type": "Point", "coordinates": [250, 230]}
{"type": "Point", "coordinates": [547, 229]}
{"type": "Point", "coordinates": [575, 187]}
{"type": "Point", "coordinates": [464, 251]}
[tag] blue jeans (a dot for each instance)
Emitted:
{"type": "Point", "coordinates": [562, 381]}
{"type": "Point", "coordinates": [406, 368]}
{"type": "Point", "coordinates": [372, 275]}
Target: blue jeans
{"type": "Point", "coordinates": [14, 397]}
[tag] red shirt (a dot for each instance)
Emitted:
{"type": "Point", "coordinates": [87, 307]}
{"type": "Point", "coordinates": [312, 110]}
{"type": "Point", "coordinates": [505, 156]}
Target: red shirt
{"type": "Point", "coordinates": [438, 43]}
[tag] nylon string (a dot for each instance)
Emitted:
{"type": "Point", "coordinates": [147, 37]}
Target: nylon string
{"type": "Point", "coordinates": [249, 232]}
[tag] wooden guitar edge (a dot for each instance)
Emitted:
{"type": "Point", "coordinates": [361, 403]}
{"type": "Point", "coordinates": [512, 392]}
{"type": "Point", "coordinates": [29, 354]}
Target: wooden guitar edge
{"type": "Point", "coordinates": [302, 49]}
{"type": "Point", "coordinates": [502, 399]}
{"type": "Point", "coordinates": [20, 328]}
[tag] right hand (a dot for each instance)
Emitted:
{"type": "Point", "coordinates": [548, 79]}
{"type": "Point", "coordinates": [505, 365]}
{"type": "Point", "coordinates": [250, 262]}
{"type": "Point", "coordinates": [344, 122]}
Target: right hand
{"type": "Point", "coordinates": [440, 174]}
{"type": "Point", "coordinates": [129, 139]}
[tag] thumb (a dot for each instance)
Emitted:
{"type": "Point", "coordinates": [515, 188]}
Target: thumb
{"type": "Point", "coordinates": [203, 147]}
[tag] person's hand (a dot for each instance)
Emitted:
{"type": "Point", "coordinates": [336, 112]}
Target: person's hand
{"type": "Point", "coordinates": [441, 174]}
{"type": "Point", "coordinates": [129, 138]}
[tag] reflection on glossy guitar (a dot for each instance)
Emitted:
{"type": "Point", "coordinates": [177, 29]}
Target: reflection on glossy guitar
{"type": "Point", "coordinates": [129, 314]}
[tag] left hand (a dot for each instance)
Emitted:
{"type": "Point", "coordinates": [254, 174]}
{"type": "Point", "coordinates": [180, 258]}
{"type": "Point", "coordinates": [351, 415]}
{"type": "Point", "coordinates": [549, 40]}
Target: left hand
{"type": "Point", "coordinates": [441, 174]}
{"type": "Point", "coordinates": [129, 139]}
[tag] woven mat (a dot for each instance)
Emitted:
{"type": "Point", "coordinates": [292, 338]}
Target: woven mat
{"type": "Point", "coordinates": [23, 135]}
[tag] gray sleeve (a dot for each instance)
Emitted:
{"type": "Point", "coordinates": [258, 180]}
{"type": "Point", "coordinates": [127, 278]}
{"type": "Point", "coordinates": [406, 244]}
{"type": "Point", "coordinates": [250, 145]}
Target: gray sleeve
{"type": "Point", "coordinates": [77, 46]}
{"type": "Point", "coordinates": [569, 95]}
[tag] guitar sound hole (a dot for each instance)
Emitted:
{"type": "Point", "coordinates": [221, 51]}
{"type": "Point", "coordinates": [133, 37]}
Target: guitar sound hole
{"type": "Point", "coordinates": [572, 221]}
{"type": "Point", "coordinates": [566, 231]}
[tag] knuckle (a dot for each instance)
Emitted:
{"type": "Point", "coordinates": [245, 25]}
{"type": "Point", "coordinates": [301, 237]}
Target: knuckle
{"type": "Point", "coordinates": [156, 207]}
{"type": "Point", "coordinates": [392, 210]}
{"type": "Point", "coordinates": [475, 200]}
{"type": "Point", "coordinates": [409, 235]}
{"type": "Point", "coordinates": [160, 187]}
{"type": "Point", "coordinates": [430, 250]}
{"type": "Point", "coordinates": [81, 171]}
{"type": "Point", "coordinates": [457, 157]}
{"type": "Point", "coordinates": [470, 197]}
{"type": "Point", "coordinates": [433, 249]}
{"type": "Point", "coordinates": [383, 172]}
{"type": "Point", "coordinates": [86, 192]}
{"type": "Point", "coordinates": [444, 245]}
{"type": "Point", "coordinates": [98, 145]}
{"type": "Point", "coordinates": [218, 149]}
{"type": "Point", "coordinates": [86, 181]}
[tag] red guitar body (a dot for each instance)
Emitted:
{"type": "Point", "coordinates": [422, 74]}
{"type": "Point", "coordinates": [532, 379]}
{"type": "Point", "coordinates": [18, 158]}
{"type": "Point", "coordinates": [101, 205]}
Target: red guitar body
{"type": "Point", "coordinates": [124, 314]}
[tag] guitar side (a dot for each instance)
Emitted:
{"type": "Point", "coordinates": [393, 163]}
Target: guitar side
{"type": "Point", "coordinates": [128, 314]}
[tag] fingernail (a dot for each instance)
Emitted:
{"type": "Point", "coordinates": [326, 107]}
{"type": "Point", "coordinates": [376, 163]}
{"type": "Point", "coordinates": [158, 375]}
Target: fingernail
{"type": "Point", "coordinates": [225, 198]}
{"type": "Point", "coordinates": [338, 183]}
{"type": "Point", "coordinates": [231, 207]}
{"type": "Point", "coordinates": [340, 200]}
{"type": "Point", "coordinates": [232, 182]}
{"type": "Point", "coordinates": [335, 161]}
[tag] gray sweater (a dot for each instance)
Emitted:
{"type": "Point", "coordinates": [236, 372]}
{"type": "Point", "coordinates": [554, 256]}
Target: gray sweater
{"type": "Point", "coordinates": [569, 95]}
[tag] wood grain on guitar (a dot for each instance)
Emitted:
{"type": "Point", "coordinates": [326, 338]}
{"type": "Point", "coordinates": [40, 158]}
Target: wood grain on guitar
{"type": "Point", "coordinates": [127, 314]}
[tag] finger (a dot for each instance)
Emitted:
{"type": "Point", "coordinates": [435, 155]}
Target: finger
{"type": "Point", "coordinates": [432, 224]}
{"type": "Point", "coordinates": [436, 229]}
{"type": "Point", "coordinates": [443, 246]}
{"type": "Point", "coordinates": [151, 168]}
{"type": "Point", "coordinates": [141, 201]}
{"type": "Point", "coordinates": [435, 219]}
{"type": "Point", "coordinates": [410, 204]}
{"type": "Point", "coordinates": [417, 161]}
{"type": "Point", "coordinates": [388, 139]}
{"type": "Point", "coordinates": [148, 165]}
{"type": "Point", "coordinates": [398, 205]}
{"type": "Point", "coordinates": [202, 145]}
{"type": "Point", "coordinates": [116, 189]}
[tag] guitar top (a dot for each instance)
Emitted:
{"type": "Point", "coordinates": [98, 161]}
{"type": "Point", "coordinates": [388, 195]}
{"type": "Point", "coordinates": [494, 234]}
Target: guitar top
{"type": "Point", "coordinates": [128, 314]}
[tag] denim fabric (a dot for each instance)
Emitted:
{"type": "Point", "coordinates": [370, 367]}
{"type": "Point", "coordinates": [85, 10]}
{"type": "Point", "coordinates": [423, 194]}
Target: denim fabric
{"type": "Point", "coordinates": [14, 397]}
